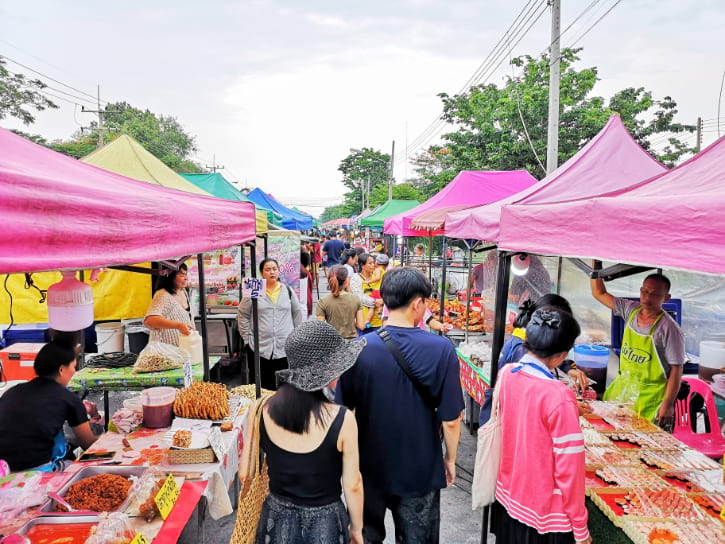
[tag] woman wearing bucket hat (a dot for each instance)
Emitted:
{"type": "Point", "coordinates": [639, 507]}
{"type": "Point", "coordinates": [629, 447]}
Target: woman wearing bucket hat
{"type": "Point", "coordinates": [310, 445]}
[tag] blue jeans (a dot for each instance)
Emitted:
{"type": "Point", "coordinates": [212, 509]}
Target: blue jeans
{"type": "Point", "coordinates": [285, 522]}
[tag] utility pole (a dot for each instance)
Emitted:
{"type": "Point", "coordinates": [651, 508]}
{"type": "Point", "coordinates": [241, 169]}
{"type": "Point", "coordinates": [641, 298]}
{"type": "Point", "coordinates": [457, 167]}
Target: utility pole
{"type": "Point", "coordinates": [390, 173]}
{"type": "Point", "coordinates": [552, 143]}
{"type": "Point", "coordinates": [100, 113]}
{"type": "Point", "coordinates": [214, 167]}
{"type": "Point", "coordinates": [698, 143]}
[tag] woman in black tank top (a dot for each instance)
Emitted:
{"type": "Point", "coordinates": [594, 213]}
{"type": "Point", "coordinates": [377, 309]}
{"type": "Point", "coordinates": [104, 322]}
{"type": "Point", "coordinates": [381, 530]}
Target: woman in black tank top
{"type": "Point", "coordinates": [310, 445]}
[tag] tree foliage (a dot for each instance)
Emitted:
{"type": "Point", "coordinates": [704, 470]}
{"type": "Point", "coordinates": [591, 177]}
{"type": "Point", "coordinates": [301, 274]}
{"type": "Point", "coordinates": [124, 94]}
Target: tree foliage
{"type": "Point", "coordinates": [331, 212]}
{"type": "Point", "coordinates": [401, 191]}
{"type": "Point", "coordinates": [505, 128]}
{"type": "Point", "coordinates": [18, 95]}
{"type": "Point", "coordinates": [363, 171]}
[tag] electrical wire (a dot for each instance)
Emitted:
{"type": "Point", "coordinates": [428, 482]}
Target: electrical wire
{"type": "Point", "coordinates": [52, 79]}
{"type": "Point", "coordinates": [10, 311]}
{"type": "Point", "coordinates": [116, 359]}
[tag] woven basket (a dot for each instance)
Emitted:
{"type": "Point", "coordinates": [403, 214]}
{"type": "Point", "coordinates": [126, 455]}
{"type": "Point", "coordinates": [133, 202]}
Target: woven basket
{"type": "Point", "coordinates": [191, 457]}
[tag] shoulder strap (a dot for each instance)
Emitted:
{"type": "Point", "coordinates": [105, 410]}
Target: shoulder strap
{"type": "Point", "coordinates": [429, 400]}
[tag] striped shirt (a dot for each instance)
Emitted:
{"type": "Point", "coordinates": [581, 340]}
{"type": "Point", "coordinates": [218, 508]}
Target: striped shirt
{"type": "Point", "coordinates": [541, 479]}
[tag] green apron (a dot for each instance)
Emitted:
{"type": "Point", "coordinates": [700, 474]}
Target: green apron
{"type": "Point", "coordinates": [641, 375]}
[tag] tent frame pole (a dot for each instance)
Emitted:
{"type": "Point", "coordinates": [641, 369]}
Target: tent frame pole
{"type": "Point", "coordinates": [202, 316]}
{"type": "Point", "coordinates": [255, 323]}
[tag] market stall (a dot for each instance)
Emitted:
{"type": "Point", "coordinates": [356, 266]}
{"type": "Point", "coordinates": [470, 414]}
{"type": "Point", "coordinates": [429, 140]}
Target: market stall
{"type": "Point", "coordinates": [291, 219]}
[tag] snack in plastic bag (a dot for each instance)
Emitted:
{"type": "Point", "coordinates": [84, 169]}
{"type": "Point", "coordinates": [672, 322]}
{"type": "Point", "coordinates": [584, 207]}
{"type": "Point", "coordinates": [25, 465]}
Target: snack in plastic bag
{"type": "Point", "coordinates": [19, 494]}
{"type": "Point", "coordinates": [142, 493]}
{"type": "Point", "coordinates": [159, 356]}
{"type": "Point", "coordinates": [114, 528]}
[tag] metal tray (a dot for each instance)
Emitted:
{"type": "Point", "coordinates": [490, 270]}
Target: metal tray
{"type": "Point", "coordinates": [87, 472]}
{"type": "Point", "coordinates": [57, 520]}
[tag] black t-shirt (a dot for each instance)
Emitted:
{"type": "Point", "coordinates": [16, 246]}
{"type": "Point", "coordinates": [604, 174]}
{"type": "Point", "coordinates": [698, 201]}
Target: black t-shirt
{"type": "Point", "coordinates": [31, 415]}
{"type": "Point", "coordinates": [400, 448]}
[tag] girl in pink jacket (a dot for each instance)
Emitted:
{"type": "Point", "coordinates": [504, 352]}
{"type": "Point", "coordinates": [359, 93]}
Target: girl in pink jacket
{"type": "Point", "coordinates": [540, 486]}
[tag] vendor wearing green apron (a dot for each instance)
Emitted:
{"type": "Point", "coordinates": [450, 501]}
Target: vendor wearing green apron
{"type": "Point", "coordinates": [653, 350]}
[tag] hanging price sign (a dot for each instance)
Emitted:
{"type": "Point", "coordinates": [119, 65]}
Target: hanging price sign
{"type": "Point", "coordinates": [253, 287]}
{"type": "Point", "coordinates": [166, 498]}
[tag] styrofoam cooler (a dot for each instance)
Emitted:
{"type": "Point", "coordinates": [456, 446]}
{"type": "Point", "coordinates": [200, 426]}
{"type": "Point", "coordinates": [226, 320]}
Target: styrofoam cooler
{"type": "Point", "coordinates": [593, 360]}
{"type": "Point", "coordinates": [712, 358]}
{"type": "Point", "coordinates": [109, 337]}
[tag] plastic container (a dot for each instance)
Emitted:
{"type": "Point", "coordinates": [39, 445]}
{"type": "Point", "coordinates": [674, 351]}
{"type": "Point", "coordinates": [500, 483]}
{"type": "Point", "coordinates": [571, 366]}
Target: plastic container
{"type": "Point", "coordinates": [712, 359]}
{"type": "Point", "coordinates": [70, 303]}
{"type": "Point", "coordinates": [192, 344]}
{"type": "Point", "coordinates": [109, 337]}
{"type": "Point", "coordinates": [593, 360]}
{"type": "Point", "coordinates": [157, 404]}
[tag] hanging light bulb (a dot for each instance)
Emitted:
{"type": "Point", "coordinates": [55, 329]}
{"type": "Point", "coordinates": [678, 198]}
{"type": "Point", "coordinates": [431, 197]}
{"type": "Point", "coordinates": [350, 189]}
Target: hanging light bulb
{"type": "Point", "coordinates": [70, 304]}
{"type": "Point", "coordinates": [520, 264]}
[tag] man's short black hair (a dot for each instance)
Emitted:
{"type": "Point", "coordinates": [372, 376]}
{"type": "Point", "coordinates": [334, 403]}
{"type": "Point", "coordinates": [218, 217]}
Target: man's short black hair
{"type": "Point", "coordinates": [664, 280]}
{"type": "Point", "coordinates": [401, 285]}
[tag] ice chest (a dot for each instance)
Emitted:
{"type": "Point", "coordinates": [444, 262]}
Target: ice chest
{"type": "Point", "coordinates": [17, 361]}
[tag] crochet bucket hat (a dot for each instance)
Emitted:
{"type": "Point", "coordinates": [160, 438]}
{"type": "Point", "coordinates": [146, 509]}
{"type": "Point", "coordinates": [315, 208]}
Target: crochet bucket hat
{"type": "Point", "coordinates": [317, 354]}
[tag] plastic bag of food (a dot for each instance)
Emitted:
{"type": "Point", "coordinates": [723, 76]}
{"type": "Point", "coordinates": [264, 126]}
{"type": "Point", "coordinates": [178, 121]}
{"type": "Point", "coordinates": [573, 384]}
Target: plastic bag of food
{"type": "Point", "coordinates": [114, 528]}
{"type": "Point", "coordinates": [159, 356]}
{"type": "Point", "coordinates": [20, 493]}
{"type": "Point", "coordinates": [141, 495]}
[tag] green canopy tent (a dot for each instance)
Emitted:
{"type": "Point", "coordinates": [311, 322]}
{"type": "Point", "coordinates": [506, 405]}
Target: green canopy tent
{"type": "Point", "coordinates": [388, 209]}
{"type": "Point", "coordinates": [217, 185]}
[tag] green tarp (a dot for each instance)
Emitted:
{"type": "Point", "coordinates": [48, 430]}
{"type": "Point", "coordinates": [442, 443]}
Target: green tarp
{"type": "Point", "coordinates": [388, 209]}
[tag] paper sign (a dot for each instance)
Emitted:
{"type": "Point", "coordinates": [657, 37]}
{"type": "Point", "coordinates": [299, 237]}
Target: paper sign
{"type": "Point", "coordinates": [217, 443]}
{"type": "Point", "coordinates": [188, 377]}
{"type": "Point", "coordinates": [253, 287]}
{"type": "Point", "coordinates": [166, 498]}
{"type": "Point", "coordinates": [139, 539]}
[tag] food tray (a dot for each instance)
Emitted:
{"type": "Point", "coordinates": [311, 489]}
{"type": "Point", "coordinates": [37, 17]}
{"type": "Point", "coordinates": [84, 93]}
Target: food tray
{"type": "Point", "coordinates": [87, 472]}
{"type": "Point", "coordinates": [677, 460]}
{"type": "Point", "coordinates": [712, 503]}
{"type": "Point", "coordinates": [688, 532]}
{"type": "Point", "coordinates": [663, 503]}
{"type": "Point", "coordinates": [654, 441]}
{"type": "Point", "coordinates": [696, 481]}
{"type": "Point", "coordinates": [58, 520]}
{"type": "Point", "coordinates": [191, 457]}
{"type": "Point", "coordinates": [605, 500]}
{"type": "Point", "coordinates": [604, 456]}
{"type": "Point", "coordinates": [631, 477]}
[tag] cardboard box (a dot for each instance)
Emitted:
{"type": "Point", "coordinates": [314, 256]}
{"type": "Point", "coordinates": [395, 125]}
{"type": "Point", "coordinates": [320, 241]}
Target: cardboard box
{"type": "Point", "coordinates": [17, 361]}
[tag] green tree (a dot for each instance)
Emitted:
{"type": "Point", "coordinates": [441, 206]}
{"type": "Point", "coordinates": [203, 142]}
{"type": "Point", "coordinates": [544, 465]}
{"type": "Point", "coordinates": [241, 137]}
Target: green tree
{"type": "Point", "coordinates": [401, 191]}
{"type": "Point", "coordinates": [18, 95]}
{"type": "Point", "coordinates": [162, 135]}
{"type": "Point", "coordinates": [504, 128]}
{"type": "Point", "coordinates": [331, 212]}
{"type": "Point", "coordinates": [362, 170]}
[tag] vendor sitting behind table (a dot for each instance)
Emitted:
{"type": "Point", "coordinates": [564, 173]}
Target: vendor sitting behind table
{"type": "Point", "coordinates": [168, 315]}
{"type": "Point", "coordinates": [32, 414]}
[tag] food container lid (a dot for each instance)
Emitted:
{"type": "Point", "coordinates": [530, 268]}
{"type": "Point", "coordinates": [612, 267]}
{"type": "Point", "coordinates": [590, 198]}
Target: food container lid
{"type": "Point", "coordinates": [158, 395]}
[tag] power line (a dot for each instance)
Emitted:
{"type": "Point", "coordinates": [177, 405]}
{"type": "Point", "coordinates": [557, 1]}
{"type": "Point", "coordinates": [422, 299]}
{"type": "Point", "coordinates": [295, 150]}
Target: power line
{"type": "Point", "coordinates": [48, 77]}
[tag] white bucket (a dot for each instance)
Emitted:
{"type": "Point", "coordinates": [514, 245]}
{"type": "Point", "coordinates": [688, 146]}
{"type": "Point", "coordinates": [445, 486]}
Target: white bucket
{"type": "Point", "coordinates": [109, 337]}
{"type": "Point", "coordinates": [712, 354]}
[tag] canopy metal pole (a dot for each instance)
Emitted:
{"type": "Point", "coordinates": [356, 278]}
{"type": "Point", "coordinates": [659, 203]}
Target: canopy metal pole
{"type": "Point", "coordinates": [430, 255]}
{"type": "Point", "coordinates": [255, 324]}
{"type": "Point", "coordinates": [442, 298]}
{"type": "Point", "coordinates": [202, 316]}
{"type": "Point", "coordinates": [503, 273]}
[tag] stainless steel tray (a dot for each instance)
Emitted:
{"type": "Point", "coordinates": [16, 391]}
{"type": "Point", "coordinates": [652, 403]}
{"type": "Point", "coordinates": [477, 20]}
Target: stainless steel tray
{"type": "Point", "coordinates": [87, 472]}
{"type": "Point", "coordinates": [57, 520]}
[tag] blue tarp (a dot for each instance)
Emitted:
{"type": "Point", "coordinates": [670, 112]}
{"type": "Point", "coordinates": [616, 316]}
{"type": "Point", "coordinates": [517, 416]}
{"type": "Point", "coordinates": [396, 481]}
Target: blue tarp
{"type": "Point", "coordinates": [291, 219]}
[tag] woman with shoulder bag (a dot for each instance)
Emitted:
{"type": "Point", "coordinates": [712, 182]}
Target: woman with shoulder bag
{"type": "Point", "coordinates": [540, 484]}
{"type": "Point", "coordinates": [310, 445]}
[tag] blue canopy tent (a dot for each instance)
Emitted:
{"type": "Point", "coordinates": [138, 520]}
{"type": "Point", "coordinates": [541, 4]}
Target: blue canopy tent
{"type": "Point", "coordinates": [291, 219]}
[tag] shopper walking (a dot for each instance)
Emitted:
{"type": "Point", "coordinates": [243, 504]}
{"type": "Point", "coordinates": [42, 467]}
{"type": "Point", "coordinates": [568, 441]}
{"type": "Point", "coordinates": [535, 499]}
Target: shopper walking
{"type": "Point", "coordinates": [400, 417]}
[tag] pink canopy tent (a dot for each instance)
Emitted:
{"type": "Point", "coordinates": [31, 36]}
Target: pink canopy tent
{"type": "Point", "coordinates": [610, 161]}
{"type": "Point", "coordinates": [465, 190]}
{"type": "Point", "coordinates": [339, 222]}
{"type": "Point", "coordinates": [59, 213]}
{"type": "Point", "coordinates": [674, 220]}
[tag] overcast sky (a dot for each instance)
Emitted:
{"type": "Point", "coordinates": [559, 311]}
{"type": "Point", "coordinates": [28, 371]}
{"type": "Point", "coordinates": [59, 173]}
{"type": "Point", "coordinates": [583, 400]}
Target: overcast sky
{"type": "Point", "coordinates": [279, 91]}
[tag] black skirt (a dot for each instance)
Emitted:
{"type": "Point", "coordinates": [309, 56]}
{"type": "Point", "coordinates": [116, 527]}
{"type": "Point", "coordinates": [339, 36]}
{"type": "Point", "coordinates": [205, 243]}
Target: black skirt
{"type": "Point", "coordinates": [511, 531]}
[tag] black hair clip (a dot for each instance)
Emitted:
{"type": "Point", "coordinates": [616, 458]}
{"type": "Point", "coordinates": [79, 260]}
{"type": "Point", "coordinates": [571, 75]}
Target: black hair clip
{"type": "Point", "coordinates": [550, 319]}
{"type": "Point", "coordinates": [528, 306]}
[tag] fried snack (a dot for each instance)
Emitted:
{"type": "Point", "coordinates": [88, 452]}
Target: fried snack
{"type": "Point", "coordinates": [203, 400]}
{"type": "Point", "coordinates": [249, 391]}
{"type": "Point", "coordinates": [100, 493]}
{"type": "Point", "coordinates": [182, 439]}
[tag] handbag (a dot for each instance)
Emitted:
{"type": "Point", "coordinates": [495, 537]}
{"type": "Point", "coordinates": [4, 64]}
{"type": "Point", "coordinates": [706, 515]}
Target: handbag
{"type": "Point", "coordinates": [255, 488]}
{"type": "Point", "coordinates": [488, 454]}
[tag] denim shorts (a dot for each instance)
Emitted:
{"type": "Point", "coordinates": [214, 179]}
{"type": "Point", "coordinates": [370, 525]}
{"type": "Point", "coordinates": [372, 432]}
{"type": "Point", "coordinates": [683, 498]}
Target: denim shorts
{"type": "Point", "coordinates": [283, 522]}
